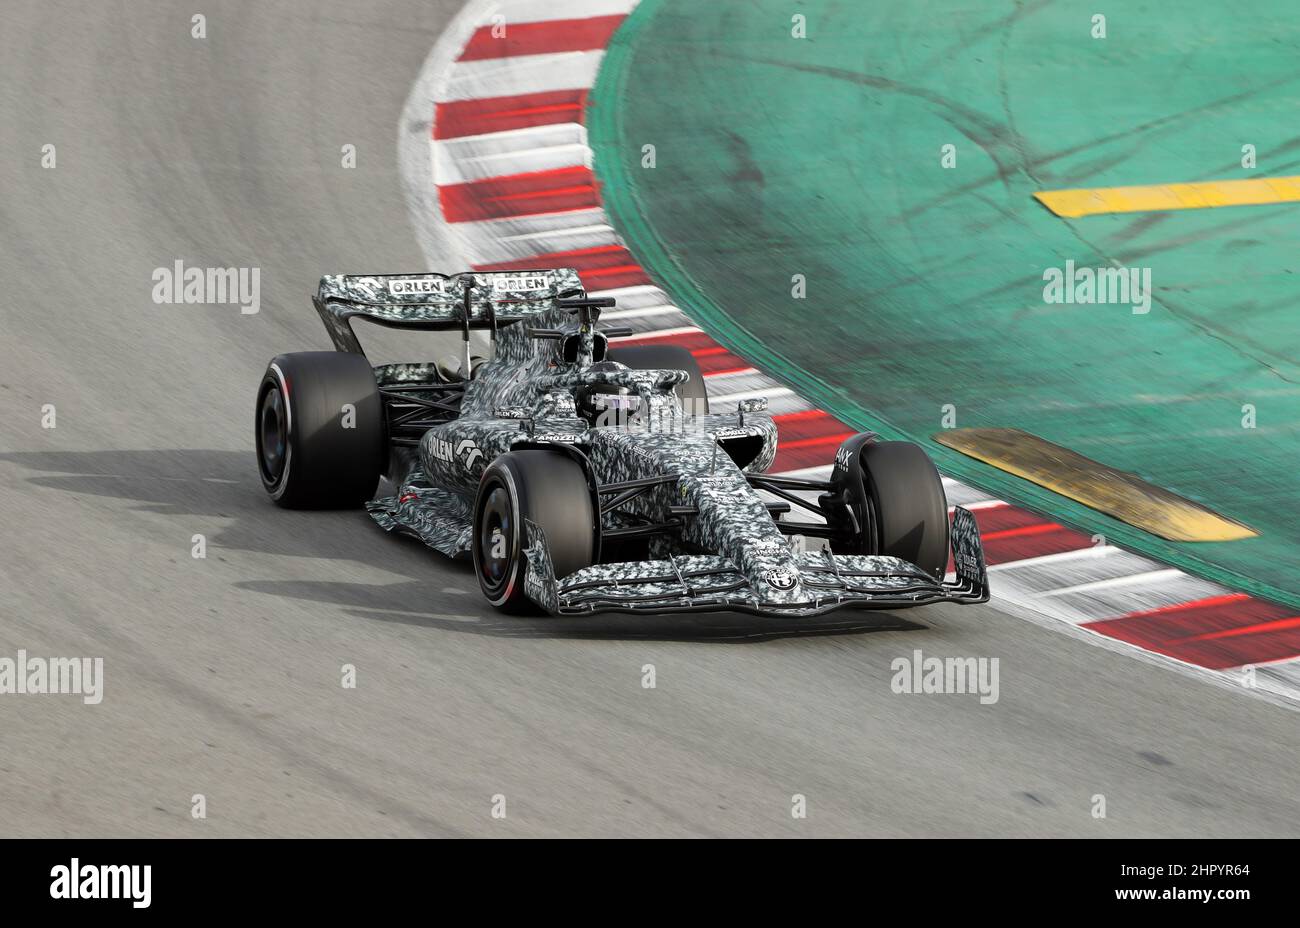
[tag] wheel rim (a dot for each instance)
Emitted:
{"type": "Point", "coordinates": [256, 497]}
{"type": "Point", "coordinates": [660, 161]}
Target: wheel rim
{"type": "Point", "coordinates": [272, 435]}
{"type": "Point", "coordinates": [495, 548]}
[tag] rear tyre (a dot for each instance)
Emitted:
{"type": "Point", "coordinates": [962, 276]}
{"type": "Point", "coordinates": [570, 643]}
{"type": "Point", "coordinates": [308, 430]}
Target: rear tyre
{"type": "Point", "coordinates": [909, 507]}
{"type": "Point", "coordinates": [694, 394]}
{"type": "Point", "coordinates": [320, 431]}
{"type": "Point", "coordinates": [548, 488]}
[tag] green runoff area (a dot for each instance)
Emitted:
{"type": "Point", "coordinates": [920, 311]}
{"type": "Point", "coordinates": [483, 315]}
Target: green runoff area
{"type": "Point", "coordinates": [822, 156]}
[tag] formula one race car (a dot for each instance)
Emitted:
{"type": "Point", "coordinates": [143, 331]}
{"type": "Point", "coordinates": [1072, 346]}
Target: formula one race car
{"type": "Point", "coordinates": [582, 478]}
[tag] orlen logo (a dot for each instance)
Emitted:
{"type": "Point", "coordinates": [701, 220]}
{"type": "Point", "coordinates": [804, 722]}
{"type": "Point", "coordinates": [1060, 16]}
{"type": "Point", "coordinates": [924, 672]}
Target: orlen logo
{"type": "Point", "coordinates": [440, 449]}
{"type": "Point", "coordinates": [417, 285]}
{"type": "Point", "coordinates": [500, 284]}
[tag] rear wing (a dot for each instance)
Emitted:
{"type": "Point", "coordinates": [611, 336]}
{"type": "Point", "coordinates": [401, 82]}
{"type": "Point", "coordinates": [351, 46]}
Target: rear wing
{"type": "Point", "coordinates": [439, 302]}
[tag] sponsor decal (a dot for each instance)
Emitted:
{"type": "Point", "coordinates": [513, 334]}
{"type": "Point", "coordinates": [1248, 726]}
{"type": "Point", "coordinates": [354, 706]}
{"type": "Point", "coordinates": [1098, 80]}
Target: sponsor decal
{"type": "Point", "coordinates": [471, 452]}
{"type": "Point", "coordinates": [567, 438]}
{"type": "Point", "coordinates": [630, 445]}
{"type": "Point", "coordinates": [564, 405]}
{"type": "Point", "coordinates": [966, 563]}
{"type": "Point", "coordinates": [537, 586]}
{"type": "Point", "coordinates": [965, 545]}
{"type": "Point", "coordinates": [780, 578]}
{"type": "Point", "coordinates": [525, 282]}
{"type": "Point", "coordinates": [734, 432]}
{"type": "Point", "coordinates": [534, 589]}
{"type": "Point", "coordinates": [447, 451]}
{"type": "Point", "coordinates": [842, 458]}
{"type": "Point", "coordinates": [441, 450]}
{"type": "Point", "coordinates": [417, 285]}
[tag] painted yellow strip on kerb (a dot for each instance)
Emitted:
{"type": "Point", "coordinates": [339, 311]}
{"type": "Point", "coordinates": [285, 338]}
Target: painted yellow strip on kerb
{"type": "Point", "coordinates": [1117, 493]}
{"type": "Point", "coordinates": [1074, 203]}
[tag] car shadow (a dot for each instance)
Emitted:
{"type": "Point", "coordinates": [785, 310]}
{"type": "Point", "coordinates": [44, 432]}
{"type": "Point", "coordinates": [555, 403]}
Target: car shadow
{"type": "Point", "coordinates": [220, 485]}
{"type": "Point", "coordinates": [402, 603]}
{"type": "Point", "coordinates": [440, 594]}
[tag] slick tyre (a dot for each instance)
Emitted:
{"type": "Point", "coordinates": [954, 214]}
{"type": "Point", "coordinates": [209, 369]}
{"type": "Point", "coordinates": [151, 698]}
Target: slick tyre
{"type": "Point", "coordinates": [694, 394]}
{"type": "Point", "coordinates": [547, 488]}
{"type": "Point", "coordinates": [320, 431]}
{"type": "Point", "coordinates": [910, 509]}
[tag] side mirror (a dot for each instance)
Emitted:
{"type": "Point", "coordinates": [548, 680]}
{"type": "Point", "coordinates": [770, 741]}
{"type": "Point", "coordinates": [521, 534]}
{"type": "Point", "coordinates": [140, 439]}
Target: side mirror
{"type": "Point", "coordinates": [757, 404]}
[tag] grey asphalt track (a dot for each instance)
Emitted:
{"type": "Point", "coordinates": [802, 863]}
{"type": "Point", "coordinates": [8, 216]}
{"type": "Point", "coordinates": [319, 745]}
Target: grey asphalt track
{"type": "Point", "coordinates": [223, 674]}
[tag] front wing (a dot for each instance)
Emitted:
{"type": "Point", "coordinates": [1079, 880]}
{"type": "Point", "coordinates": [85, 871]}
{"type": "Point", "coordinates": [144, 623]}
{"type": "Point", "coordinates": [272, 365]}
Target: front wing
{"type": "Point", "coordinates": [710, 583]}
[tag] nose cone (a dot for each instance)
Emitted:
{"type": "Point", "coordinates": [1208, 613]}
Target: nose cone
{"type": "Point", "coordinates": [734, 521]}
{"type": "Point", "coordinates": [775, 579]}
{"type": "Point", "coordinates": [730, 519]}
{"type": "Point", "coordinates": [778, 580]}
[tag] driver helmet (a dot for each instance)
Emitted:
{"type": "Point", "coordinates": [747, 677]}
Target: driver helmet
{"type": "Point", "coordinates": [604, 403]}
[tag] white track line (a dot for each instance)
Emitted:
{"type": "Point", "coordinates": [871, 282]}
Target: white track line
{"type": "Point", "coordinates": [1059, 557]}
{"type": "Point", "coordinates": [640, 295]}
{"type": "Point", "coordinates": [984, 504]}
{"type": "Point", "coordinates": [751, 394]}
{"type": "Point", "coordinates": [1150, 576]}
{"type": "Point", "coordinates": [518, 151]}
{"type": "Point", "coordinates": [639, 313]}
{"type": "Point", "coordinates": [530, 11]}
{"type": "Point", "coordinates": [509, 77]}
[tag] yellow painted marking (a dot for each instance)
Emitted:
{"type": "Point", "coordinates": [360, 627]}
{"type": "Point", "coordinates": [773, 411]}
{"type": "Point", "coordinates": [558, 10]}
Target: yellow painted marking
{"type": "Point", "coordinates": [1117, 493]}
{"type": "Point", "coordinates": [1074, 203]}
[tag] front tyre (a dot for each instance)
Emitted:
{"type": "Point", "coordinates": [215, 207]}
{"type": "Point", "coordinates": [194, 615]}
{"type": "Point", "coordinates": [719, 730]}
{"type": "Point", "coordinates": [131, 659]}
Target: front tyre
{"type": "Point", "coordinates": [898, 503]}
{"type": "Point", "coordinates": [320, 431]}
{"type": "Point", "coordinates": [910, 505]}
{"type": "Point", "coordinates": [547, 488]}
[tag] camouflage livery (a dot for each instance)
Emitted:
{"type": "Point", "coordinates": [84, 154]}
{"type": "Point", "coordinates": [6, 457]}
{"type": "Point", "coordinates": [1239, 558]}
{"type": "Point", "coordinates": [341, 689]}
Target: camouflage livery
{"type": "Point", "coordinates": [695, 583]}
{"type": "Point", "coordinates": [439, 518]}
{"type": "Point", "coordinates": [724, 549]}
